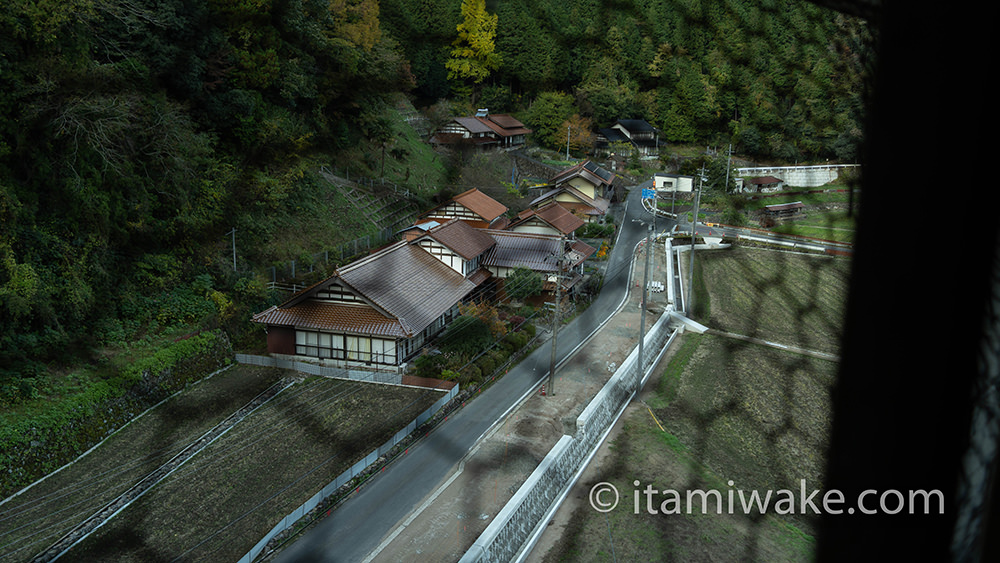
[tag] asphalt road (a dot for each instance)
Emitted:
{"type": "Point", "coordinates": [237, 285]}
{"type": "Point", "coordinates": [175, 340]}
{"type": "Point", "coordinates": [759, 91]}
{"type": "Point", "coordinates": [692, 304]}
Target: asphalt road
{"type": "Point", "coordinates": [357, 527]}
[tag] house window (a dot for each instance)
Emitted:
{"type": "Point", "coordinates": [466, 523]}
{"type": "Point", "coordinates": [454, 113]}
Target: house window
{"type": "Point", "coordinates": [384, 351]}
{"type": "Point", "coordinates": [359, 349]}
{"type": "Point", "coordinates": [319, 344]}
{"type": "Point", "coordinates": [470, 266]}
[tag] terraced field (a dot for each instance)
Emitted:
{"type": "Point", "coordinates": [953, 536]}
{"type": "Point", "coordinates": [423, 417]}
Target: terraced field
{"type": "Point", "coordinates": [218, 504]}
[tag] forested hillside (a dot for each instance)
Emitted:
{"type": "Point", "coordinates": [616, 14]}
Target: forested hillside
{"type": "Point", "coordinates": [780, 78]}
{"type": "Point", "coordinates": [135, 134]}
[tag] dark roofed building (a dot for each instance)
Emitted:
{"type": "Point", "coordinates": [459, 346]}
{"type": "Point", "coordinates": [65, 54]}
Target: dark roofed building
{"type": "Point", "coordinates": [590, 178]}
{"type": "Point", "coordinates": [765, 184]}
{"type": "Point", "coordinates": [538, 253]}
{"type": "Point", "coordinates": [484, 130]}
{"type": "Point", "coordinates": [636, 132]}
{"type": "Point", "coordinates": [783, 210]}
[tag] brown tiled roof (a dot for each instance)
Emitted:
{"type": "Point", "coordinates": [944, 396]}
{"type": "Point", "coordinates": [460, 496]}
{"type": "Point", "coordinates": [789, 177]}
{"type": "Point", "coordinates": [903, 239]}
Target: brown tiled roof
{"type": "Point", "coordinates": [479, 276]}
{"type": "Point", "coordinates": [553, 214]}
{"type": "Point", "coordinates": [504, 125]}
{"type": "Point", "coordinates": [464, 240]}
{"type": "Point", "coordinates": [504, 120]}
{"type": "Point", "coordinates": [408, 283]}
{"type": "Point", "coordinates": [335, 317]}
{"type": "Point", "coordinates": [405, 286]}
{"type": "Point", "coordinates": [481, 204]}
{"type": "Point", "coordinates": [579, 251]}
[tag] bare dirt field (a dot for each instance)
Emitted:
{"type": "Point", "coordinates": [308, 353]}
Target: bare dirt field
{"type": "Point", "coordinates": [721, 411]}
{"type": "Point", "coordinates": [34, 519]}
{"type": "Point", "coordinates": [219, 504]}
{"type": "Point", "coordinates": [224, 499]}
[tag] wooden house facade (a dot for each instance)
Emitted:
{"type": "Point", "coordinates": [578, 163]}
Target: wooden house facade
{"type": "Point", "coordinates": [483, 131]}
{"type": "Point", "coordinates": [550, 219]}
{"type": "Point", "coordinates": [375, 313]}
{"type": "Point", "coordinates": [472, 207]}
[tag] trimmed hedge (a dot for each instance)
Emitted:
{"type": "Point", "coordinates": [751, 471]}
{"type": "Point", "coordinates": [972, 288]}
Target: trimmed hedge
{"type": "Point", "coordinates": [34, 447]}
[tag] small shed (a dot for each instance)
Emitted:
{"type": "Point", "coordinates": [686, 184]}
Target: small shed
{"type": "Point", "coordinates": [783, 210]}
{"type": "Point", "coordinates": [764, 184]}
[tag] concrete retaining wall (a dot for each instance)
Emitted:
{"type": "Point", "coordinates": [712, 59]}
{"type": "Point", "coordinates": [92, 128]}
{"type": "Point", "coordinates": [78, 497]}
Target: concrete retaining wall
{"type": "Point", "coordinates": [513, 531]}
{"type": "Point", "coordinates": [392, 378]}
{"type": "Point", "coordinates": [799, 176]}
{"type": "Point", "coordinates": [345, 477]}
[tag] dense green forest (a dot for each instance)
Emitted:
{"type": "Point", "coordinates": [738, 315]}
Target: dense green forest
{"type": "Point", "coordinates": [135, 134]}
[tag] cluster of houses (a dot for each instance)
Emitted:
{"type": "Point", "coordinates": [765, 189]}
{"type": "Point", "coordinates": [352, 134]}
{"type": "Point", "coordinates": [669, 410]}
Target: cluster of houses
{"type": "Point", "coordinates": [486, 131]}
{"type": "Point", "coordinates": [380, 311]}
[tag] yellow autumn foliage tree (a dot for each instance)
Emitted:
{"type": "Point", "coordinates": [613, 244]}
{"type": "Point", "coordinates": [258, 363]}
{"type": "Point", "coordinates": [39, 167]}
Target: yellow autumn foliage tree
{"type": "Point", "coordinates": [473, 54]}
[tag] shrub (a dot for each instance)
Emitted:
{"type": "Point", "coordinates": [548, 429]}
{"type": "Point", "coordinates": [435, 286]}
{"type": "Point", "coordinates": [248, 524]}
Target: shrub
{"type": "Point", "coordinates": [530, 329]}
{"type": "Point", "coordinates": [467, 335]}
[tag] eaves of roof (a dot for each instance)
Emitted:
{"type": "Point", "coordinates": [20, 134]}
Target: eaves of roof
{"type": "Point", "coordinates": [334, 317]}
{"type": "Point", "coordinates": [464, 240]}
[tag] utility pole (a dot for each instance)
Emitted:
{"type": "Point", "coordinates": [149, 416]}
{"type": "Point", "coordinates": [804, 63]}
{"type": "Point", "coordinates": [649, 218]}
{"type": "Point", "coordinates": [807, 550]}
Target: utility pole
{"type": "Point", "coordinates": [694, 233]}
{"type": "Point", "coordinates": [642, 314]}
{"type": "Point", "coordinates": [729, 159]}
{"type": "Point", "coordinates": [550, 386]}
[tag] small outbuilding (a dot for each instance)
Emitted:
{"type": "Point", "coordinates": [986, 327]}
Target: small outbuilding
{"type": "Point", "coordinates": [783, 210]}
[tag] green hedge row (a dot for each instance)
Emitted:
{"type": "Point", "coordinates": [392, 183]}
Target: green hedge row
{"type": "Point", "coordinates": [34, 447]}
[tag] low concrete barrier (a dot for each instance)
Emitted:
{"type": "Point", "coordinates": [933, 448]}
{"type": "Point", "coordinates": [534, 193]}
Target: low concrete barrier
{"type": "Point", "coordinates": [514, 530]}
{"type": "Point", "coordinates": [345, 477]}
{"type": "Point", "coordinates": [392, 378]}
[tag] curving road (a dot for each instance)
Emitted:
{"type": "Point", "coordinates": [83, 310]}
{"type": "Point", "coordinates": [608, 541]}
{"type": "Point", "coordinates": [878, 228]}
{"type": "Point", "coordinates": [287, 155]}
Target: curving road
{"type": "Point", "coordinates": [357, 527]}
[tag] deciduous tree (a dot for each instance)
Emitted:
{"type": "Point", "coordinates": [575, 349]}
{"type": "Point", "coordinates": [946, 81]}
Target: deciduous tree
{"type": "Point", "coordinates": [473, 54]}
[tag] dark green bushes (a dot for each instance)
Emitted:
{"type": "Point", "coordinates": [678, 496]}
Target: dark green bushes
{"type": "Point", "coordinates": [35, 445]}
{"type": "Point", "coordinates": [468, 352]}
